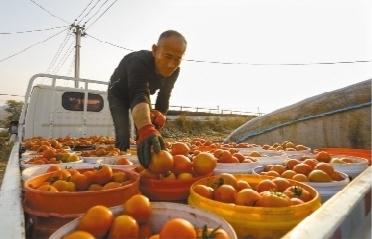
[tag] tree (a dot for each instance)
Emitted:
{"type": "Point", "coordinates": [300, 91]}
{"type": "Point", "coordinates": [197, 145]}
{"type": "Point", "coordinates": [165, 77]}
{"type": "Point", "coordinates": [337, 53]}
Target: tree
{"type": "Point", "coordinates": [13, 109]}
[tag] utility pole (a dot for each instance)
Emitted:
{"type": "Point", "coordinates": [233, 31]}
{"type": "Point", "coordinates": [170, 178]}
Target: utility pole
{"type": "Point", "coordinates": [79, 32]}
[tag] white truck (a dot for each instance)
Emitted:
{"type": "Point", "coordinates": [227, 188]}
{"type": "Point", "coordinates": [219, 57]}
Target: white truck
{"type": "Point", "coordinates": [56, 110]}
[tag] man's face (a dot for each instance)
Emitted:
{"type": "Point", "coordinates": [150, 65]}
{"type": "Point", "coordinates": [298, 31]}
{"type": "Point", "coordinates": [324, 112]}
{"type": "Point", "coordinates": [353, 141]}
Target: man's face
{"type": "Point", "coordinates": [168, 54]}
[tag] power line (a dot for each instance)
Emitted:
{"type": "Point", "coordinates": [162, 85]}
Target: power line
{"type": "Point", "coordinates": [47, 11]}
{"type": "Point", "coordinates": [89, 11]}
{"type": "Point", "coordinates": [95, 14]}
{"type": "Point", "coordinates": [103, 13]}
{"type": "Point", "coordinates": [84, 10]}
{"type": "Point", "coordinates": [58, 52]}
{"type": "Point", "coordinates": [109, 43]}
{"type": "Point", "coordinates": [279, 64]}
{"type": "Point", "coordinates": [35, 30]}
{"type": "Point", "coordinates": [244, 63]}
{"type": "Point", "coordinates": [32, 45]}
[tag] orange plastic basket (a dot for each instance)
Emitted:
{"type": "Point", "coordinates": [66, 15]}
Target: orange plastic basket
{"type": "Point", "coordinates": [167, 190]}
{"type": "Point", "coordinates": [362, 153]}
{"type": "Point", "coordinates": [69, 203]}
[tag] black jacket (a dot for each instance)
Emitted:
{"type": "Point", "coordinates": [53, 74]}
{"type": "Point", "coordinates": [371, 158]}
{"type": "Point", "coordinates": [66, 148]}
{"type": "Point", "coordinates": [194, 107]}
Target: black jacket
{"type": "Point", "coordinates": [135, 79]}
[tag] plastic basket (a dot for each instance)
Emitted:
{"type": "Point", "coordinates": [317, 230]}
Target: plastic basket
{"type": "Point", "coordinates": [256, 222]}
{"type": "Point", "coordinates": [326, 189]}
{"type": "Point", "coordinates": [41, 169]}
{"type": "Point", "coordinates": [75, 202]}
{"type": "Point", "coordinates": [161, 213]}
{"type": "Point", "coordinates": [167, 190]}
{"type": "Point", "coordinates": [353, 169]}
{"type": "Point", "coordinates": [362, 153]}
{"type": "Point", "coordinates": [235, 168]}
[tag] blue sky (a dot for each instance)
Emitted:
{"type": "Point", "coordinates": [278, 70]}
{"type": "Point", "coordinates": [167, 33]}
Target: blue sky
{"type": "Point", "coordinates": [253, 32]}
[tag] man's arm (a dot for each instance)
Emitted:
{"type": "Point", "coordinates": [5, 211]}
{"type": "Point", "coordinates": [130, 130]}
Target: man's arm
{"type": "Point", "coordinates": [141, 115]}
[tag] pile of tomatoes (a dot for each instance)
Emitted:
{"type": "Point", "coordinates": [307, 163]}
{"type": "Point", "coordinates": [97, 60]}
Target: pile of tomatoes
{"type": "Point", "coordinates": [276, 192]}
{"type": "Point", "coordinates": [99, 178]}
{"type": "Point", "coordinates": [133, 222]}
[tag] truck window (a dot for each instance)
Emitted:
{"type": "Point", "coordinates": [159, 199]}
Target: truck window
{"type": "Point", "coordinates": [74, 101]}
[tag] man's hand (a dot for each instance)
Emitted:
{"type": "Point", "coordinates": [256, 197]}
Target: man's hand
{"type": "Point", "coordinates": [157, 118]}
{"type": "Point", "coordinates": [149, 139]}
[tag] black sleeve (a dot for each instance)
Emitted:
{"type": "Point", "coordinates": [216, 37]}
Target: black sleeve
{"type": "Point", "coordinates": [138, 74]}
{"type": "Point", "coordinates": [162, 100]}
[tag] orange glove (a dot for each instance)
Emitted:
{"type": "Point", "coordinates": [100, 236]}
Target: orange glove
{"type": "Point", "coordinates": [158, 119]}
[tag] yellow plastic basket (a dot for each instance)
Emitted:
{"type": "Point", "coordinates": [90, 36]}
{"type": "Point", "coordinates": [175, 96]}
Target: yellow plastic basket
{"type": "Point", "coordinates": [256, 222]}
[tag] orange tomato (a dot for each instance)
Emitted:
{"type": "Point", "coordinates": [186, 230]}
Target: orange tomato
{"type": "Point", "coordinates": [62, 185]}
{"type": "Point", "coordinates": [119, 177]}
{"type": "Point", "coordinates": [111, 185]}
{"type": "Point", "coordinates": [323, 156]}
{"type": "Point", "coordinates": [103, 174]}
{"type": "Point", "coordinates": [53, 168]}
{"type": "Point", "coordinates": [239, 156]}
{"type": "Point", "coordinates": [204, 191]}
{"type": "Point", "coordinates": [161, 162]}
{"type": "Point", "coordinates": [247, 197]}
{"type": "Point", "coordinates": [95, 187]}
{"type": "Point", "coordinates": [80, 180]}
{"type": "Point", "coordinates": [266, 185]}
{"type": "Point", "coordinates": [211, 233]}
{"type": "Point", "coordinates": [311, 162]}
{"type": "Point", "coordinates": [278, 168]}
{"type": "Point", "coordinates": [227, 178]}
{"type": "Point", "coordinates": [296, 201]}
{"type": "Point", "coordinates": [225, 193]}
{"type": "Point", "coordinates": [302, 168]}
{"type": "Point", "coordinates": [288, 174]}
{"type": "Point", "coordinates": [299, 177]}
{"type": "Point", "coordinates": [139, 207]}
{"type": "Point", "coordinates": [298, 192]}
{"type": "Point", "coordinates": [181, 164]}
{"type": "Point", "coordinates": [47, 187]}
{"type": "Point", "coordinates": [97, 221]}
{"type": "Point", "coordinates": [273, 199]}
{"type": "Point", "coordinates": [177, 228]}
{"type": "Point", "coordinates": [204, 163]}
{"type": "Point", "coordinates": [180, 148]}
{"type": "Point", "coordinates": [291, 163]}
{"type": "Point", "coordinates": [241, 184]}
{"type": "Point", "coordinates": [325, 167]}
{"type": "Point", "coordinates": [281, 183]}
{"type": "Point", "coordinates": [124, 227]}
{"type": "Point", "coordinates": [79, 235]}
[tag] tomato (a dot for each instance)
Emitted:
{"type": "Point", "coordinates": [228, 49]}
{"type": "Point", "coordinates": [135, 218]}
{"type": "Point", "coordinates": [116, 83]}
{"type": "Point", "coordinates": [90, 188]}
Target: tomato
{"type": "Point", "coordinates": [139, 207]}
{"type": "Point", "coordinates": [281, 183]}
{"type": "Point", "coordinates": [226, 178]}
{"type": "Point", "coordinates": [204, 191]}
{"type": "Point", "coordinates": [124, 227]}
{"type": "Point", "coordinates": [81, 181]}
{"type": "Point", "coordinates": [247, 197]}
{"type": "Point", "coordinates": [177, 228]}
{"type": "Point", "coordinates": [225, 193]}
{"type": "Point", "coordinates": [273, 199]}
{"type": "Point", "coordinates": [161, 162]}
{"type": "Point", "coordinates": [210, 233]}
{"type": "Point", "coordinates": [266, 185]}
{"type": "Point", "coordinates": [103, 174]}
{"type": "Point", "coordinates": [62, 185]}
{"type": "Point", "coordinates": [298, 192]}
{"type": "Point", "coordinates": [79, 235]}
{"type": "Point", "coordinates": [97, 221]}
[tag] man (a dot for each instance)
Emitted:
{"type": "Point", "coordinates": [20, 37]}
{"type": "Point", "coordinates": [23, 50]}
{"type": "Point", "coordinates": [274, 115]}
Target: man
{"type": "Point", "coordinates": [138, 75]}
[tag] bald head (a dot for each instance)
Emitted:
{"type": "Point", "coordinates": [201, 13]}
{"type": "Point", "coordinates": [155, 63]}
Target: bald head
{"type": "Point", "coordinates": [168, 52]}
{"type": "Point", "coordinates": [171, 33]}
